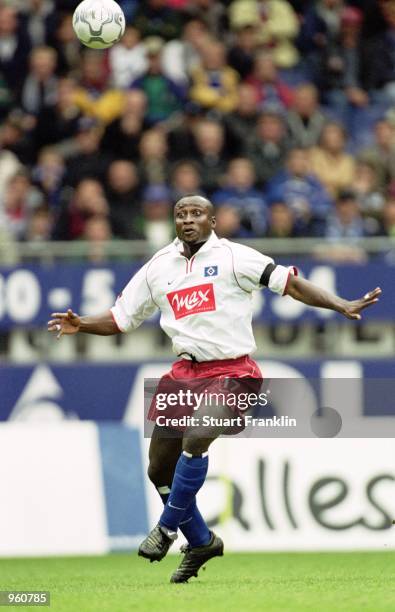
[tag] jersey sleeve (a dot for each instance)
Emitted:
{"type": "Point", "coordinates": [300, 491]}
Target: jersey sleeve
{"type": "Point", "coordinates": [277, 278]}
{"type": "Point", "coordinates": [253, 270]}
{"type": "Point", "coordinates": [135, 303]}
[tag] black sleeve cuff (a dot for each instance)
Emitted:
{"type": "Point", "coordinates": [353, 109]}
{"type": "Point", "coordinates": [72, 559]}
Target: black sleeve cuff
{"type": "Point", "coordinates": [264, 280]}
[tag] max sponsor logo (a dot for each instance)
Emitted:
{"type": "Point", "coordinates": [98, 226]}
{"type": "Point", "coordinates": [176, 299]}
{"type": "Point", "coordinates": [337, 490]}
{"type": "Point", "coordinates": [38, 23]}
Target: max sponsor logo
{"type": "Point", "coordinates": [192, 300]}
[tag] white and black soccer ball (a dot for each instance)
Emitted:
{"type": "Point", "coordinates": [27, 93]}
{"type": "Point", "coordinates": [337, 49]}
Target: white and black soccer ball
{"type": "Point", "coordinates": [99, 24]}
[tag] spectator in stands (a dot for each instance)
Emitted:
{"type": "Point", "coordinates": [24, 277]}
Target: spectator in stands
{"type": "Point", "coordinates": [240, 193]}
{"type": "Point", "coordinates": [187, 143]}
{"type": "Point", "coordinates": [330, 12]}
{"type": "Point", "coordinates": [346, 220]}
{"type": "Point", "coordinates": [341, 69]}
{"type": "Point", "coordinates": [40, 86]}
{"type": "Point", "coordinates": [155, 18]}
{"type": "Point", "coordinates": [302, 192]}
{"type": "Point", "coordinates": [14, 48]}
{"type": "Point", "coordinates": [39, 20]}
{"type": "Point", "coordinates": [20, 200]}
{"type": "Point", "coordinates": [211, 153]}
{"type": "Point", "coordinates": [129, 8]}
{"type": "Point", "coordinates": [212, 13]}
{"type": "Point", "coordinates": [122, 137]}
{"type": "Point", "coordinates": [388, 218]}
{"type": "Point", "coordinates": [329, 162]}
{"type": "Point", "coordinates": [378, 56]}
{"type": "Point", "coordinates": [298, 6]}
{"type": "Point", "coordinates": [185, 179]}
{"type": "Point", "coordinates": [39, 226]}
{"type": "Point", "coordinates": [48, 175]}
{"type": "Point", "coordinates": [58, 125]}
{"type": "Point", "coordinates": [9, 163]}
{"type": "Point", "coordinates": [281, 221]}
{"type": "Point", "coordinates": [241, 54]}
{"type": "Point", "coordinates": [277, 25]}
{"type": "Point", "coordinates": [97, 233]}
{"type": "Point", "coordinates": [6, 97]}
{"type": "Point", "coordinates": [214, 83]}
{"type": "Point", "coordinates": [9, 167]}
{"type": "Point", "coordinates": [181, 56]}
{"type": "Point", "coordinates": [305, 120]}
{"type": "Point", "coordinates": [88, 201]}
{"type": "Point", "coordinates": [124, 201]}
{"type": "Point", "coordinates": [271, 91]}
{"type": "Point", "coordinates": [127, 58]}
{"type": "Point", "coordinates": [366, 186]}
{"type": "Point", "coordinates": [93, 96]}
{"type": "Point", "coordinates": [157, 206]}
{"type": "Point", "coordinates": [66, 44]}
{"type": "Point", "coordinates": [228, 222]}
{"type": "Point", "coordinates": [313, 35]}
{"type": "Point", "coordinates": [164, 96]}
{"type": "Point", "coordinates": [89, 160]}
{"type": "Point", "coordinates": [269, 146]}
{"type": "Point", "coordinates": [180, 133]}
{"type": "Point", "coordinates": [382, 152]}
{"type": "Point", "coordinates": [16, 136]}
{"type": "Point", "coordinates": [351, 38]}
{"type": "Point", "coordinates": [153, 165]}
{"type": "Point", "coordinates": [241, 124]}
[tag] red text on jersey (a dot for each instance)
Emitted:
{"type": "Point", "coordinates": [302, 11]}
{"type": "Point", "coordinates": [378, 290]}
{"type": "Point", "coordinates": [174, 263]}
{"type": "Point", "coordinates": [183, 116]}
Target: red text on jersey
{"type": "Point", "coordinates": [192, 300]}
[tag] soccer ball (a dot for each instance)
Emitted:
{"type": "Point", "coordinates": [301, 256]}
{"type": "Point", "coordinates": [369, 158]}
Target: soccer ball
{"type": "Point", "coordinates": [99, 24]}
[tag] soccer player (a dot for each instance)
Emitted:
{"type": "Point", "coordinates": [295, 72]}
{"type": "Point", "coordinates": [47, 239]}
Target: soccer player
{"type": "Point", "coordinates": [203, 287]}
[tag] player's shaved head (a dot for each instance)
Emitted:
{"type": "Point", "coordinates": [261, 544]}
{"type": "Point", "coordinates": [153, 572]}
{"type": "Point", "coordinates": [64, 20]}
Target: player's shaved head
{"type": "Point", "coordinates": [196, 200]}
{"type": "Point", "coordinates": [194, 220]}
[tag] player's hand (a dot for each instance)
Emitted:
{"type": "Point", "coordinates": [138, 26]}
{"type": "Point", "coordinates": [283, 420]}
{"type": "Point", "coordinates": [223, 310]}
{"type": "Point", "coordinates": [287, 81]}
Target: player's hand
{"type": "Point", "coordinates": [64, 323]}
{"type": "Point", "coordinates": [352, 309]}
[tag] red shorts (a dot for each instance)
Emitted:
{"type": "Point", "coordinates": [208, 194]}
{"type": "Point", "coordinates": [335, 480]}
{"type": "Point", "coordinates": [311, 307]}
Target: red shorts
{"type": "Point", "coordinates": [234, 378]}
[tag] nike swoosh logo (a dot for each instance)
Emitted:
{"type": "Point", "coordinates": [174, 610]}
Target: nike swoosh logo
{"type": "Point", "coordinates": [175, 507]}
{"type": "Point", "coordinates": [170, 282]}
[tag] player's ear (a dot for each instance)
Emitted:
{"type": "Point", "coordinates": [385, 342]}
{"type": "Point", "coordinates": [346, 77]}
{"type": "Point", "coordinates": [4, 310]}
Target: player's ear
{"type": "Point", "coordinates": [213, 222]}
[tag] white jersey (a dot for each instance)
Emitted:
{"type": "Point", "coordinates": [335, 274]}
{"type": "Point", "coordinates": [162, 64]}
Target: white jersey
{"type": "Point", "coordinates": [205, 301]}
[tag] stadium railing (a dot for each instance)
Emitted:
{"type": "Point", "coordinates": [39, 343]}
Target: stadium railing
{"type": "Point", "coordinates": [126, 250]}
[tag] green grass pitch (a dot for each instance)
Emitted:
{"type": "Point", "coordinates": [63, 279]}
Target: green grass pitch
{"type": "Point", "coordinates": [318, 582]}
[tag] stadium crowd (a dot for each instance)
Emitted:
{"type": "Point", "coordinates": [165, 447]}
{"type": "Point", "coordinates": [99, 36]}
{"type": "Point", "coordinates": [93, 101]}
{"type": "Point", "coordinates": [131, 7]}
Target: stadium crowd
{"type": "Point", "coordinates": [282, 112]}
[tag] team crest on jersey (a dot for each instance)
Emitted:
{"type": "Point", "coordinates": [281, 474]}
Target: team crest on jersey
{"type": "Point", "coordinates": [211, 271]}
{"type": "Point", "coordinates": [199, 298]}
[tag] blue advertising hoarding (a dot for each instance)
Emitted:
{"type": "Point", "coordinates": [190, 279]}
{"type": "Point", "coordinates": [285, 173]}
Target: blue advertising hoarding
{"type": "Point", "coordinates": [29, 294]}
{"type": "Point", "coordinates": [112, 392]}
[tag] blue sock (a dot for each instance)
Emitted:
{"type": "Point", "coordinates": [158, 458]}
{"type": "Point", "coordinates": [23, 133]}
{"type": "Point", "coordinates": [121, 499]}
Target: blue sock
{"type": "Point", "coordinates": [193, 525]}
{"type": "Point", "coordinates": [189, 476]}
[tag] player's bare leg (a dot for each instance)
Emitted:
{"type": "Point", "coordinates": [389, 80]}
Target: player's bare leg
{"type": "Point", "coordinates": [163, 456]}
{"type": "Point", "coordinates": [190, 474]}
{"type": "Point", "coordinates": [164, 453]}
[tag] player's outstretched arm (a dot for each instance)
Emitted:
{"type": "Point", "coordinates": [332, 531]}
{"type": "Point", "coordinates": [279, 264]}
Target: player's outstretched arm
{"type": "Point", "coordinates": [68, 323]}
{"type": "Point", "coordinates": [308, 293]}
